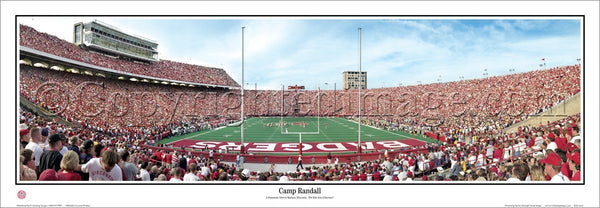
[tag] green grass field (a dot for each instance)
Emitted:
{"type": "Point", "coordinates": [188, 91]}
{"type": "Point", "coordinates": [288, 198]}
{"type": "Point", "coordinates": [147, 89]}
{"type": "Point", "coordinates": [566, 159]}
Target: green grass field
{"type": "Point", "coordinates": [337, 130]}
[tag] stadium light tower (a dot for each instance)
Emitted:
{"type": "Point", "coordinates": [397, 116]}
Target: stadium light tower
{"type": "Point", "coordinates": [578, 61]}
{"type": "Point", "coordinates": [360, 84]}
{"type": "Point", "coordinates": [242, 148]}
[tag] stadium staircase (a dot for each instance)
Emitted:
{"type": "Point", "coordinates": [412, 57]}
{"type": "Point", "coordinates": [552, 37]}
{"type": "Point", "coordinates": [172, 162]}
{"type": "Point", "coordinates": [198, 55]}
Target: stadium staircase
{"type": "Point", "coordinates": [45, 114]}
{"type": "Point", "coordinates": [570, 106]}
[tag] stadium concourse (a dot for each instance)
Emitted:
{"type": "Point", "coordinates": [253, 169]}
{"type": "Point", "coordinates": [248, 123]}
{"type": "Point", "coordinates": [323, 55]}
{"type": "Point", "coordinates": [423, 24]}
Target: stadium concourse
{"type": "Point", "coordinates": [119, 126]}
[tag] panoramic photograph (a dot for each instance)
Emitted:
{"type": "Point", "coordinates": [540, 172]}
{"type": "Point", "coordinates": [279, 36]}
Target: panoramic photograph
{"type": "Point", "coordinates": [287, 100]}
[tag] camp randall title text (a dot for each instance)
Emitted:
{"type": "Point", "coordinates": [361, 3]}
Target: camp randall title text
{"type": "Point", "coordinates": [300, 191]}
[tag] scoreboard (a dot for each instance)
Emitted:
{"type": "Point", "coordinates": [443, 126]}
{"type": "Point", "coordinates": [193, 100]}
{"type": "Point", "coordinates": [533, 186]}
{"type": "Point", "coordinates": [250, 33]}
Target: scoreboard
{"type": "Point", "coordinates": [295, 87]}
{"type": "Point", "coordinates": [110, 40]}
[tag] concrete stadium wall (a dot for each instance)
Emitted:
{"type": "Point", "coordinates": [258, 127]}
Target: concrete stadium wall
{"type": "Point", "coordinates": [564, 109]}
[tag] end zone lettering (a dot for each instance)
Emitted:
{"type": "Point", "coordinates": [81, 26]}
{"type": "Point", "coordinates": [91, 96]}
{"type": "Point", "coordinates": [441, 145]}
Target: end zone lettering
{"type": "Point", "coordinates": [293, 147]}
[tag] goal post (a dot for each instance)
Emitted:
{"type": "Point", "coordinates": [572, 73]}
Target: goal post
{"type": "Point", "coordinates": [298, 125]}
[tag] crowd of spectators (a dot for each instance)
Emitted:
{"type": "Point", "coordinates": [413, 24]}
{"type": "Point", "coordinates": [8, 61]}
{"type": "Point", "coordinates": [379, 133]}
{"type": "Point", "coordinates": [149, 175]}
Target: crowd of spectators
{"type": "Point", "coordinates": [550, 152]}
{"type": "Point", "coordinates": [48, 147]}
{"type": "Point", "coordinates": [165, 69]}
{"type": "Point", "coordinates": [105, 104]}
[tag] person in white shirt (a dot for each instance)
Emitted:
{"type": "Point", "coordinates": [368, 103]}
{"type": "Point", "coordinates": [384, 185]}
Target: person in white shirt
{"type": "Point", "coordinates": [402, 176]}
{"type": "Point", "coordinates": [34, 146]}
{"type": "Point", "coordinates": [420, 165]}
{"type": "Point", "coordinates": [480, 160]}
{"type": "Point", "coordinates": [453, 162]}
{"type": "Point", "coordinates": [176, 172]}
{"type": "Point", "coordinates": [144, 175]}
{"type": "Point", "coordinates": [507, 152]}
{"type": "Point", "coordinates": [522, 146]}
{"type": "Point", "coordinates": [64, 150]}
{"type": "Point", "coordinates": [299, 162]}
{"type": "Point", "coordinates": [44, 139]}
{"type": "Point", "coordinates": [490, 151]}
{"type": "Point", "coordinates": [104, 168]}
{"type": "Point", "coordinates": [388, 176]}
{"type": "Point", "coordinates": [472, 159]}
{"type": "Point", "coordinates": [538, 141]}
{"type": "Point", "coordinates": [552, 145]}
{"type": "Point", "coordinates": [191, 175]}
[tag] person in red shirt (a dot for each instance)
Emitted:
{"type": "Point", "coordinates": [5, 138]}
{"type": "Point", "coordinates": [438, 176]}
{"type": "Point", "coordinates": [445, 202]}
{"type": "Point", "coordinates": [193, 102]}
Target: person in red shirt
{"type": "Point", "coordinates": [167, 159]}
{"type": "Point", "coordinates": [575, 165]}
{"type": "Point", "coordinates": [166, 173]}
{"type": "Point", "coordinates": [531, 142]}
{"type": "Point", "coordinates": [158, 155]}
{"type": "Point", "coordinates": [411, 162]}
{"type": "Point", "coordinates": [498, 153]}
{"type": "Point", "coordinates": [363, 176]}
{"type": "Point", "coordinates": [376, 176]}
{"type": "Point", "coordinates": [494, 168]}
{"type": "Point", "coordinates": [550, 135]}
{"type": "Point", "coordinates": [564, 169]}
{"type": "Point", "coordinates": [192, 160]}
{"type": "Point", "coordinates": [354, 176]}
{"type": "Point", "coordinates": [561, 143]}
{"type": "Point", "coordinates": [67, 167]}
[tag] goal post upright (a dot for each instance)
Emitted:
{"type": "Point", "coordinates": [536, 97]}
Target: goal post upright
{"type": "Point", "coordinates": [300, 144]}
{"type": "Point", "coordinates": [319, 109]}
{"type": "Point", "coordinates": [242, 148]}
{"type": "Point", "coordinates": [359, 85]}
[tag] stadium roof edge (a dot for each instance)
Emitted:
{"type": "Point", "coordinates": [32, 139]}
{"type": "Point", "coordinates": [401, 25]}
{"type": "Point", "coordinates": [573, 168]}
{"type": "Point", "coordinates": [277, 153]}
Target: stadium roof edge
{"type": "Point", "coordinates": [104, 69]}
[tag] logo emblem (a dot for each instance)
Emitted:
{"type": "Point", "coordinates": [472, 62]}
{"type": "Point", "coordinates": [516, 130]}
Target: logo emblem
{"type": "Point", "coordinates": [21, 194]}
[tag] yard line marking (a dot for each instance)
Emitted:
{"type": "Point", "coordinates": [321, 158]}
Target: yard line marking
{"type": "Point", "coordinates": [381, 130]}
{"type": "Point", "coordinates": [197, 135]}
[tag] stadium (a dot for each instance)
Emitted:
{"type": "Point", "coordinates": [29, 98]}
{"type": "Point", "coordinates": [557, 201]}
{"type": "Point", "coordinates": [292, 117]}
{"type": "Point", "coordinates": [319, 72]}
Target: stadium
{"type": "Point", "coordinates": [105, 107]}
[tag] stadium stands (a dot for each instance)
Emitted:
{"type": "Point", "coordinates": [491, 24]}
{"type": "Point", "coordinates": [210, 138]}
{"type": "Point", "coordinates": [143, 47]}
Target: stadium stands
{"type": "Point", "coordinates": [449, 162]}
{"type": "Point", "coordinates": [467, 117]}
{"type": "Point", "coordinates": [31, 38]}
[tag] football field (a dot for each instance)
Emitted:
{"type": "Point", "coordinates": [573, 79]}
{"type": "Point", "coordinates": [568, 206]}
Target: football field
{"type": "Point", "coordinates": [263, 129]}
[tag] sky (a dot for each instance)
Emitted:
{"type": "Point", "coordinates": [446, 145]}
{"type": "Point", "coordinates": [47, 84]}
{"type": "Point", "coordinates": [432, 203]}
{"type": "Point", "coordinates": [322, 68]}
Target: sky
{"type": "Point", "coordinates": [314, 51]}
